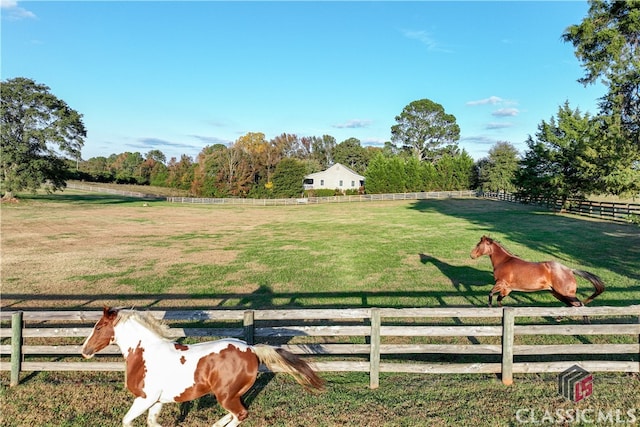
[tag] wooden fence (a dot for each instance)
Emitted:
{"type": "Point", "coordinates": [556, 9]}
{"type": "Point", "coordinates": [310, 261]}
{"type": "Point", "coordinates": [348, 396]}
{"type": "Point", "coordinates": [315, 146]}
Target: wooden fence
{"type": "Point", "coordinates": [614, 211]}
{"type": "Point", "coordinates": [501, 341]}
{"type": "Point", "coordinates": [332, 199]}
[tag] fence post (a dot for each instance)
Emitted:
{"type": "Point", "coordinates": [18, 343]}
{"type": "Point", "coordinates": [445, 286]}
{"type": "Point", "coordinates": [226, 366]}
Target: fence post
{"type": "Point", "coordinates": [16, 348]}
{"type": "Point", "coordinates": [249, 329]}
{"type": "Point", "coordinates": [507, 345]}
{"type": "Point", "coordinates": [374, 357]}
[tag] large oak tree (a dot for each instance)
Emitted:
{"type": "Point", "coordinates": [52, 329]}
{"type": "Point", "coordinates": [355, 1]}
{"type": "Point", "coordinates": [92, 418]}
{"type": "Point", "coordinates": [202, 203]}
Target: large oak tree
{"type": "Point", "coordinates": [426, 130]}
{"type": "Point", "coordinates": [39, 131]}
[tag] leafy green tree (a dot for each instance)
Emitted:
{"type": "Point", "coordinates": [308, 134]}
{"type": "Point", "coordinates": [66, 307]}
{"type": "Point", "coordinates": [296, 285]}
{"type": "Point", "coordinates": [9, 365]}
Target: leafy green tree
{"type": "Point", "coordinates": [350, 153]}
{"type": "Point", "coordinates": [322, 150]}
{"type": "Point", "coordinates": [413, 178]}
{"type": "Point", "coordinates": [127, 166]}
{"type": "Point", "coordinates": [389, 149]}
{"type": "Point", "coordinates": [385, 175]}
{"type": "Point", "coordinates": [206, 170]}
{"type": "Point", "coordinates": [498, 170]}
{"type": "Point", "coordinates": [255, 151]}
{"type": "Point", "coordinates": [98, 169]}
{"type": "Point", "coordinates": [156, 156]}
{"type": "Point", "coordinates": [159, 175]}
{"type": "Point", "coordinates": [180, 173]}
{"type": "Point", "coordinates": [559, 163]}
{"type": "Point", "coordinates": [288, 178]}
{"type": "Point", "coordinates": [38, 129]}
{"type": "Point", "coordinates": [454, 172]}
{"type": "Point", "coordinates": [607, 42]}
{"type": "Point", "coordinates": [428, 176]}
{"type": "Point", "coordinates": [424, 129]}
{"type": "Point", "coordinates": [399, 174]}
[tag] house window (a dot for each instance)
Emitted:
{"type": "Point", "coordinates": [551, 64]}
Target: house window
{"type": "Point", "coordinates": [353, 183]}
{"type": "Point", "coordinates": [340, 183]}
{"type": "Point", "coordinates": [322, 183]}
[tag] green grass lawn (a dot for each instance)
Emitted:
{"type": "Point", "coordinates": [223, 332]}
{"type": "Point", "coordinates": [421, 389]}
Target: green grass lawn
{"type": "Point", "coordinates": [94, 249]}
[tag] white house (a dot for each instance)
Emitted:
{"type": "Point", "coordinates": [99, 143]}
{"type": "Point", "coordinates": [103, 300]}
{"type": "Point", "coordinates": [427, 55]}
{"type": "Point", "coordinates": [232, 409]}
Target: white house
{"type": "Point", "coordinates": [337, 176]}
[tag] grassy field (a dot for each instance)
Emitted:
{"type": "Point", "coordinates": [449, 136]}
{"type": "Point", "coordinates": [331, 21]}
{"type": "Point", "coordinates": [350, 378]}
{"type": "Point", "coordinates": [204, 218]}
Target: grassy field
{"type": "Point", "coordinates": [76, 250]}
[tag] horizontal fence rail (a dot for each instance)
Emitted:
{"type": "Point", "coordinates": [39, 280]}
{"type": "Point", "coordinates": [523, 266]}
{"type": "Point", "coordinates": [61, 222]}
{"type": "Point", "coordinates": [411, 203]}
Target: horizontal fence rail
{"type": "Point", "coordinates": [372, 340]}
{"type": "Point", "coordinates": [613, 211]}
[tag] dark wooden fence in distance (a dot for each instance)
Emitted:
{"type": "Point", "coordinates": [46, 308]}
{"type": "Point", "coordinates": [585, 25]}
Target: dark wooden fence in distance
{"type": "Point", "coordinates": [613, 211]}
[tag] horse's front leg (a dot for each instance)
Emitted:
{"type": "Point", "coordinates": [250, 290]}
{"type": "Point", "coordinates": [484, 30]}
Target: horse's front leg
{"type": "Point", "coordinates": [154, 413]}
{"type": "Point", "coordinates": [500, 287]}
{"type": "Point", "coordinates": [140, 404]}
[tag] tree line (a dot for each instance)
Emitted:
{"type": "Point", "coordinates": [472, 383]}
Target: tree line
{"type": "Point", "coordinates": [256, 167]}
{"type": "Point", "coordinates": [572, 155]}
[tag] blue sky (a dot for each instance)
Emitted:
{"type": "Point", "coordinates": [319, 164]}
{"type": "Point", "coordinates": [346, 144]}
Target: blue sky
{"type": "Point", "coordinates": [178, 76]}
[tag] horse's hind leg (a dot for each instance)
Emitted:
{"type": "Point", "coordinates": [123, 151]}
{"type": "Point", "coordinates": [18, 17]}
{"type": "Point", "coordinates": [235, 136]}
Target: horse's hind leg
{"type": "Point", "coordinates": [570, 302]}
{"type": "Point", "coordinates": [231, 400]}
{"type": "Point", "coordinates": [237, 412]}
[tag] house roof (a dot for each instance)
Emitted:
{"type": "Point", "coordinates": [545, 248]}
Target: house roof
{"type": "Point", "coordinates": [334, 166]}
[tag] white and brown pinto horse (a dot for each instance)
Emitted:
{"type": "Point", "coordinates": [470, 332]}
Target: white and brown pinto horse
{"type": "Point", "coordinates": [159, 370]}
{"type": "Point", "coordinates": [515, 274]}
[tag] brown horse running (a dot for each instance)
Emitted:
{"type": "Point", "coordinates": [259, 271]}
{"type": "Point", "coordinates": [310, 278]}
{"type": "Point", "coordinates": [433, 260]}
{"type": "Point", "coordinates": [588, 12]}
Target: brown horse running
{"type": "Point", "coordinates": [515, 274]}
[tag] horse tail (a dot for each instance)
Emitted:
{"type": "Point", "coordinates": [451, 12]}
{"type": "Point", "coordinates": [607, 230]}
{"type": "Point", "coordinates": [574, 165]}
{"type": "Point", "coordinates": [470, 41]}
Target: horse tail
{"type": "Point", "coordinates": [595, 281]}
{"type": "Point", "coordinates": [290, 363]}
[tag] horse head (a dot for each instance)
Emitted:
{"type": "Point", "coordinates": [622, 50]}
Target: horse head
{"type": "Point", "coordinates": [484, 247]}
{"type": "Point", "coordinates": [102, 334]}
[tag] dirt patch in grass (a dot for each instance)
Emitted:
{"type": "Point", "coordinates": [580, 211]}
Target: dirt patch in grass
{"type": "Point", "coordinates": [76, 249]}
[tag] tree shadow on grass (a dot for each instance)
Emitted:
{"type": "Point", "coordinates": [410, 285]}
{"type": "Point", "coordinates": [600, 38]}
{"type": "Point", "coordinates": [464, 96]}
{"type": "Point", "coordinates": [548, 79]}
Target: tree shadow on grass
{"type": "Point", "coordinates": [602, 244]}
{"type": "Point", "coordinates": [89, 199]}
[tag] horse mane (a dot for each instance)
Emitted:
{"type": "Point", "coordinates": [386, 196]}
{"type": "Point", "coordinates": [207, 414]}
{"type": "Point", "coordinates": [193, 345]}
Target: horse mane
{"type": "Point", "coordinates": [147, 320]}
{"type": "Point", "coordinates": [498, 243]}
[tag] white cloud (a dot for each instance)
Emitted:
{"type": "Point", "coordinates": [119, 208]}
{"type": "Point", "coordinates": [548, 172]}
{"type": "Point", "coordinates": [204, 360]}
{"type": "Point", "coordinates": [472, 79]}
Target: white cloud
{"type": "Point", "coordinates": [374, 142]}
{"type": "Point", "coordinates": [479, 139]}
{"type": "Point", "coordinates": [13, 12]}
{"type": "Point", "coordinates": [498, 125]}
{"type": "Point", "coordinates": [424, 38]}
{"type": "Point", "coordinates": [353, 124]}
{"type": "Point", "coordinates": [211, 140]}
{"type": "Point", "coordinates": [493, 100]}
{"type": "Point", "coordinates": [506, 112]}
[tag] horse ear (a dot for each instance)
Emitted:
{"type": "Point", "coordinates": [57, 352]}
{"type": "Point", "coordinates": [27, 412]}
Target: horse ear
{"type": "Point", "coordinates": [109, 312]}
